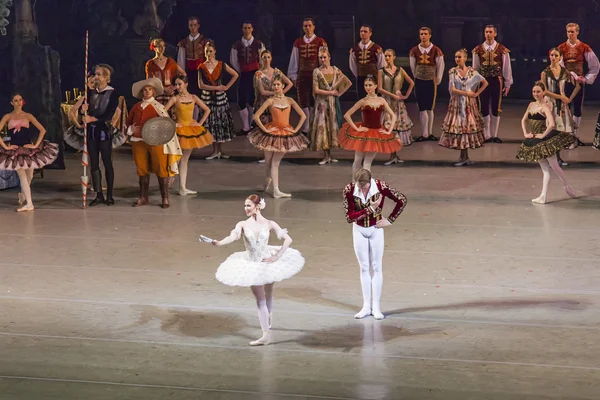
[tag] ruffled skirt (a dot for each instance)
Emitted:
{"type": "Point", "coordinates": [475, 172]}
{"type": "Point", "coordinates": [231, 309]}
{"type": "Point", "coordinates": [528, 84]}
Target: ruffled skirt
{"type": "Point", "coordinates": [239, 270]}
{"type": "Point", "coordinates": [371, 141]}
{"type": "Point", "coordinates": [462, 127]}
{"type": "Point", "coordinates": [74, 138]}
{"type": "Point", "coordinates": [281, 140]}
{"type": "Point", "coordinates": [533, 149]}
{"type": "Point", "coordinates": [193, 137]}
{"type": "Point", "coordinates": [22, 157]}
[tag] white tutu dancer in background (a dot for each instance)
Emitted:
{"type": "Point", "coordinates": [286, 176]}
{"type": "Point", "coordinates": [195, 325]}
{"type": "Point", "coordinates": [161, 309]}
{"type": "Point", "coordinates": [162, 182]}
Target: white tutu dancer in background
{"type": "Point", "coordinates": [261, 265]}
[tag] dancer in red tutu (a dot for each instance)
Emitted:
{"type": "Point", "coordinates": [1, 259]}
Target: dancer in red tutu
{"type": "Point", "coordinates": [369, 137]}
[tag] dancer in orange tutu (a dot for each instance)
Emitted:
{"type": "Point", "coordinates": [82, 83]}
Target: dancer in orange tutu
{"type": "Point", "coordinates": [277, 137]}
{"type": "Point", "coordinates": [191, 134]}
{"type": "Point", "coordinates": [369, 137]}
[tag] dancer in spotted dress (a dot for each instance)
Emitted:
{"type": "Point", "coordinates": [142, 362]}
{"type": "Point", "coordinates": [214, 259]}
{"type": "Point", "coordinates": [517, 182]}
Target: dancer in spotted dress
{"type": "Point", "coordinates": [214, 95]}
{"type": "Point", "coordinates": [463, 126]}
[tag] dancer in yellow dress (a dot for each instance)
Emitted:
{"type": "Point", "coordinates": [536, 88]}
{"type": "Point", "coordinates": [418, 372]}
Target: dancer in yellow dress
{"type": "Point", "coordinates": [191, 134]}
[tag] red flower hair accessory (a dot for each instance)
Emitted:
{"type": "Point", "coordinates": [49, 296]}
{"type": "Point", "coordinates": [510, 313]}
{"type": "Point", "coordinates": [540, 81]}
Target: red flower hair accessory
{"type": "Point", "coordinates": [152, 47]}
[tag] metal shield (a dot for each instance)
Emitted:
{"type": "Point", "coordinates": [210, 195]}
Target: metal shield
{"type": "Point", "coordinates": [158, 131]}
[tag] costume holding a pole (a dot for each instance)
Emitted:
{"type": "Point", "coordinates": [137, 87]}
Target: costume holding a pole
{"type": "Point", "coordinates": [84, 153]}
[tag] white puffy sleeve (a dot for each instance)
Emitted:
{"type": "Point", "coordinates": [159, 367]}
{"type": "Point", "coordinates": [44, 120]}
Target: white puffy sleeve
{"type": "Point", "coordinates": [235, 234]}
{"type": "Point", "coordinates": [279, 231]}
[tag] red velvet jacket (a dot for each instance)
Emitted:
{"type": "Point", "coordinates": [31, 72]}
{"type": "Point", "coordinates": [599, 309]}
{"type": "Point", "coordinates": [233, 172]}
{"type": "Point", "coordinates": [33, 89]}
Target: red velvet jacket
{"type": "Point", "coordinates": [362, 214]}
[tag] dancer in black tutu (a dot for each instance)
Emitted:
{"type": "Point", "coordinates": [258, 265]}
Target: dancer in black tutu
{"type": "Point", "coordinates": [26, 151]}
{"type": "Point", "coordinates": [542, 142]}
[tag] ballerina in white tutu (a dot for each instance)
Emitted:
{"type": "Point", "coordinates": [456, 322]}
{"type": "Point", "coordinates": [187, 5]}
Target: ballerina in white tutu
{"type": "Point", "coordinates": [261, 265]}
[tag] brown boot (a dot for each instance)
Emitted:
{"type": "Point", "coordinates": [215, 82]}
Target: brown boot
{"type": "Point", "coordinates": [164, 191]}
{"type": "Point", "coordinates": [144, 188]}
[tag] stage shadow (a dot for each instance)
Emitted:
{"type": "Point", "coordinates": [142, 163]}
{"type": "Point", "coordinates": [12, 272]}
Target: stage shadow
{"type": "Point", "coordinates": [310, 296]}
{"type": "Point", "coordinates": [190, 323]}
{"type": "Point", "coordinates": [493, 305]}
{"type": "Point", "coordinates": [353, 336]}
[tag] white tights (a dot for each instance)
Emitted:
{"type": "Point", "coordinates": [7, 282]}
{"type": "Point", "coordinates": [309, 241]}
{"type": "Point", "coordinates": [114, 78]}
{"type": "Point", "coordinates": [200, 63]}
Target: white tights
{"type": "Point", "coordinates": [264, 304]}
{"type": "Point", "coordinates": [183, 169]}
{"type": "Point", "coordinates": [25, 178]}
{"type": "Point", "coordinates": [362, 160]}
{"type": "Point", "coordinates": [272, 162]}
{"type": "Point", "coordinates": [368, 246]}
{"type": "Point", "coordinates": [548, 164]}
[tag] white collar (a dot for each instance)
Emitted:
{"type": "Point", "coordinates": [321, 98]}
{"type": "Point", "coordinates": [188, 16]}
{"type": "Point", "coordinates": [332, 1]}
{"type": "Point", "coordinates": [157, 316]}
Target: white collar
{"type": "Point", "coordinates": [310, 39]}
{"type": "Point", "coordinates": [425, 49]}
{"type": "Point", "coordinates": [373, 190]}
{"type": "Point", "coordinates": [573, 45]}
{"type": "Point", "coordinates": [192, 38]}
{"type": "Point", "coordinates": [490, 47]}
{"type": "Point", "coordinates": [364, 46]}
{"type": "Point", "coordinates": [146, 103]}
{"type": "Point", "coordinates": [108, 87]}
{"type": "Point", "coordinates": [247, 42]}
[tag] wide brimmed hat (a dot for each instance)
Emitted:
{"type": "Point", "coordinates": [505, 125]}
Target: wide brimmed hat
{"type": "Point", "coordinates": [136, 89]}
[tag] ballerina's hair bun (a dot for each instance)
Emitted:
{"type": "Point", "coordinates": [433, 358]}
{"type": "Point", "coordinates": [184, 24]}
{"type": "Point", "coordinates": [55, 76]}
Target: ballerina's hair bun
{"type": "Point", "coordinates": [258, 201]}
{"type": "Point", "coordinates": [540, 84]}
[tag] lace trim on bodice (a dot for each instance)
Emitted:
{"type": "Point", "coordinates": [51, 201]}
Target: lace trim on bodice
{"type": "Point", "coordinates": [257, 245]}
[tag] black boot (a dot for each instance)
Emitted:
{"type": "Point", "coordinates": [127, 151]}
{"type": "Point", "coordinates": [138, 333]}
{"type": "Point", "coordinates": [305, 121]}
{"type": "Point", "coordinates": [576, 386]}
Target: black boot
{"type": "Point", "coordinates": [164, 191]}
{"type": "Point", "coordinates": [97, 184]}
{"type": "Point", "coordinates": [144, 189]}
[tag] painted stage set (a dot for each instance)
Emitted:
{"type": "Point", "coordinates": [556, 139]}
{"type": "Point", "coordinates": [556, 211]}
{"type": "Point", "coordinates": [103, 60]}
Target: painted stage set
{"type": "Point", "coordinates": [486, 295]}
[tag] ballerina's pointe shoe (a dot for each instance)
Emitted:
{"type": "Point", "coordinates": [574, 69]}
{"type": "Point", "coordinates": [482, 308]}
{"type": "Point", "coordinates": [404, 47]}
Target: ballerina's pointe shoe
{"type": "Point", "coordinates": [263, 341]}
{"type": "Point", "coordinates": [539, 200]}
{"type": "Point", "coordinates": [25, 208]}
{"type": "Point", "coordinates": [570, 192]}
{"type": "Point", "coordinates": [279, 194]}
{"type": "Point", "coordinates": [185, 192]}
{"type": "Point", "coordinates": [363, 313]}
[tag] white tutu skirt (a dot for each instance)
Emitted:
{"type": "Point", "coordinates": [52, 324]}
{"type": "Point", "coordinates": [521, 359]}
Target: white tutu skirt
{"type": "Point", "coordinates": [239, 269]}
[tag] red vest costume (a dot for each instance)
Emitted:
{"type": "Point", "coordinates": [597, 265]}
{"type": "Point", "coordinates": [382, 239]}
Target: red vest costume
{"type": "Point", "coordinates": [248, 57]}
{"type": "Point", "coordinates": [139, 116]}
{"type": "Point", "coordinates": [366, 60]}
{"type": "Point", "coordinates": [362, 214]}
{"type": "Point", "coordinates": [308, 55]}
{"type": "Point", "coordinates": [491, 62]}
{"type": "Point", "coordinates": [574, 56]}
{"type": "Point", "coordinates": [425, 62]}
{"type": "Point", "coordinates": [194, 51]}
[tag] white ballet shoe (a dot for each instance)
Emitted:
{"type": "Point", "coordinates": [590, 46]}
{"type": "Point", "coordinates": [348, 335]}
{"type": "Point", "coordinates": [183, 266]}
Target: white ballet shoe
{"type": "Point", "coordinates": [185, 192]}
{"type": "Point", "coordinates": [464, 162]}
{"type": "Point", "coordinates": [213, 156]}
{"type": "Point", "coordinates": [378, 315]}
{"type": "Point", "coordinates": [263, 341]}
{"type": "Point", "coordinates": [279, 194]}
{"type": "Point", "coordinates": [394, 160]}
{"type": "Point", "coordinates": [262, 161]}
{"type": "Point", "coordinates": [539, 200]}
{"type": "Point", "coordinates": [363, 313]}
{"type": "Point", "coordinates": [25, 208]}
{"type": "Point", "coordinates": [325, 161]}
